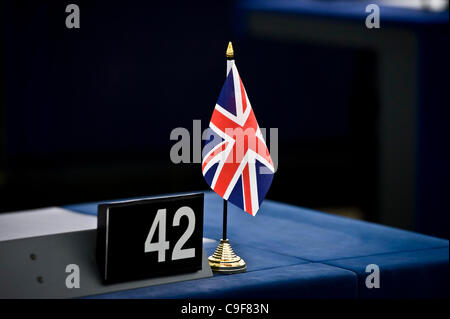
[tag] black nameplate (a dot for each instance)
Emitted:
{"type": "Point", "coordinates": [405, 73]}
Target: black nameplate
{"type": "Point", "coordinates": [139, 239]}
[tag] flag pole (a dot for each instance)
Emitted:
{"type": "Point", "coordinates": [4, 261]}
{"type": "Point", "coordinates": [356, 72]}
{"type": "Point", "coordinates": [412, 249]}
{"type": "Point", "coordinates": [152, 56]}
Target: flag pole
{"type": "Point", "coordinates": [230, 61]}
{"type": "Point", "coordinates": [225, 206]}
{"type": "Point", "coordinates": [224, 260]}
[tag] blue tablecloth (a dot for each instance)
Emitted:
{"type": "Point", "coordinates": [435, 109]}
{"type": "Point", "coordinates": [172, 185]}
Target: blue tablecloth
{"type": "Point", "coordinates": [294, 252]}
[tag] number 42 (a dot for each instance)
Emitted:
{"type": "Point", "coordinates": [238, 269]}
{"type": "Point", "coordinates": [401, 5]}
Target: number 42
{"type": "Point", "coordinates": [162, 245]}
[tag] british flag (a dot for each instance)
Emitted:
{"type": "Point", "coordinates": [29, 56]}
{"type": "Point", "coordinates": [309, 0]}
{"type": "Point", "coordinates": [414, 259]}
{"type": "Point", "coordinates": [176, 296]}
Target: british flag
{"type": "Point", "coordinates": [236, 162]}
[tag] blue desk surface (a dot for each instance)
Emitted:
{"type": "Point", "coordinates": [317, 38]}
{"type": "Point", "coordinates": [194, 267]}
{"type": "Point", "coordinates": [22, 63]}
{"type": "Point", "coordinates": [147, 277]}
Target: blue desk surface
{"type": "Point", "coordinates": [296, 252]}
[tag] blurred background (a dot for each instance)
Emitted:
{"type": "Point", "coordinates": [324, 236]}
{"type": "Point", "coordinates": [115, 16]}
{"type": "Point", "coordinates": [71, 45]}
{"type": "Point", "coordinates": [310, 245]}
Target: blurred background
{"type": "Point", "coordinates": [362, 114]}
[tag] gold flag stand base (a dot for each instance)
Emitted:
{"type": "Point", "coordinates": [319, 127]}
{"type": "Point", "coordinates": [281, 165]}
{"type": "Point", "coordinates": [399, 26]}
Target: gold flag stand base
{"type": "Point", "coordinates": [225, 261]}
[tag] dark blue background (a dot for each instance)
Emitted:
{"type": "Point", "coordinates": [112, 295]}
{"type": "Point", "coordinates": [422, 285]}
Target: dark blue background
{"type": "Point", "coordinates": [87, 113]}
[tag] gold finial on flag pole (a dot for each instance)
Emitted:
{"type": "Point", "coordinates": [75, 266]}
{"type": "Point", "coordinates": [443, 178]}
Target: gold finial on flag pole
{"type": "Point", "coordinates": [230, 52]}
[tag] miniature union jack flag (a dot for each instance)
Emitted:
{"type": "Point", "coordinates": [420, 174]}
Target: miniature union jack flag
{"type": "Point", "coordinates": [236, 161]}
